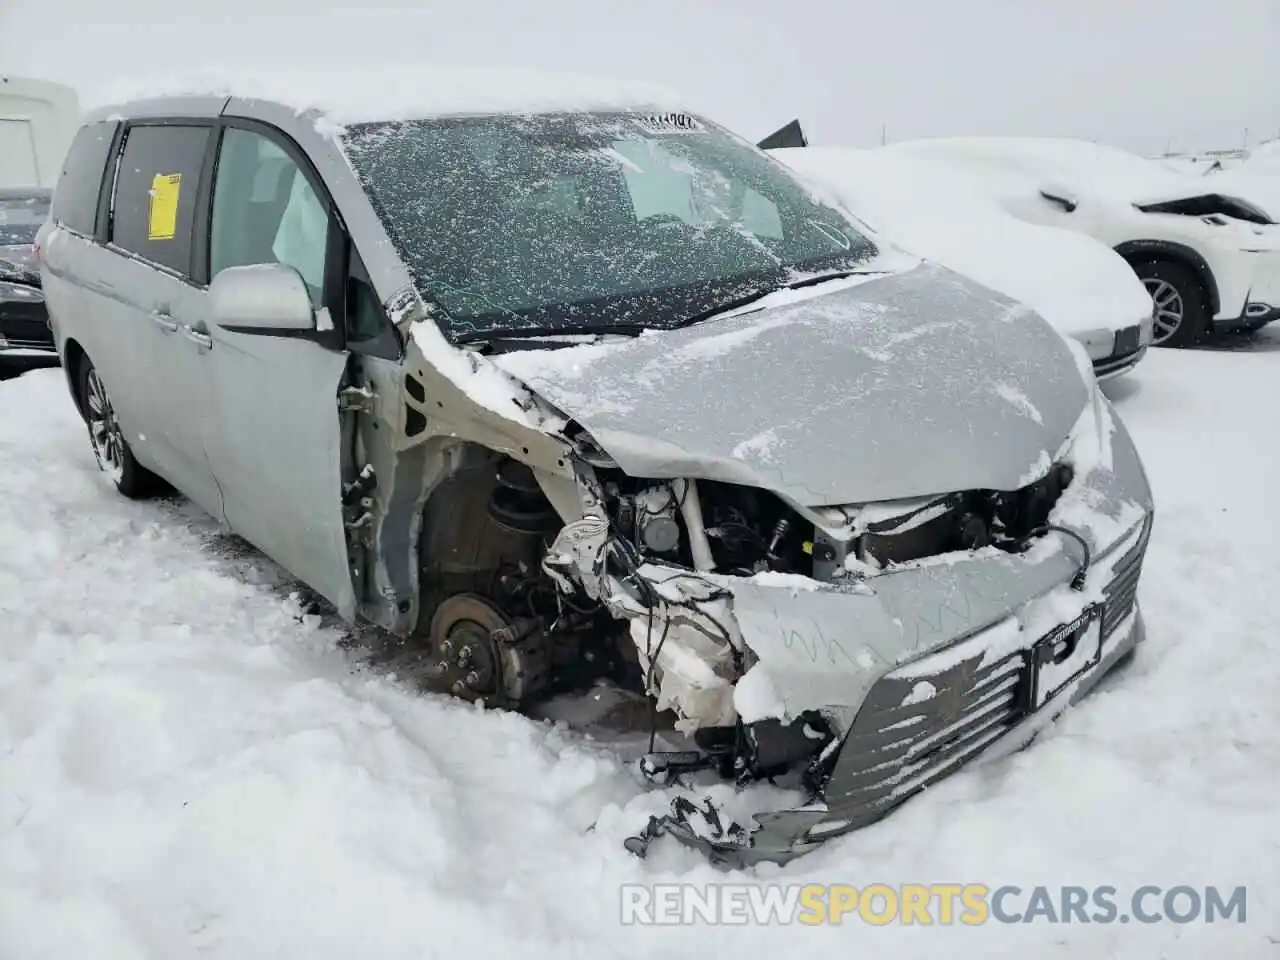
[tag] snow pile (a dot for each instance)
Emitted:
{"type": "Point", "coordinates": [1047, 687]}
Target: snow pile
{"type": "Point", "coordinates": [191, 768]}
{"type": "Point", "coordinates": [947, 216]}
{"type": "Point", "coordinates": [1265, 156]}
{"type": "Point", "coordinates": [396, 91]}
{"type": "Point", "coordinates": [1013, 167]}
{"type": "Point", "coordinates": [1013, 170]}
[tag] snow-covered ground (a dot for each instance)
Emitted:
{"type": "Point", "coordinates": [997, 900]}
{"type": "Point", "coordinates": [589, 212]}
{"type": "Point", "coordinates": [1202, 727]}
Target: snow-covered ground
{"type": "Point", "coordinates": [189, 767]}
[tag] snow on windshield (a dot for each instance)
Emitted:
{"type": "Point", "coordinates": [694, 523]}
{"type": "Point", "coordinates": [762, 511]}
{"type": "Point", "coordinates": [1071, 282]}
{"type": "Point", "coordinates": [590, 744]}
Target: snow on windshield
{"type": "Point", "coordinates": [577, 222]}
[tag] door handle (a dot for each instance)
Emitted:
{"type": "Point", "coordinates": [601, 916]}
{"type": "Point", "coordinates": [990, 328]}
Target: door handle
{"type": "Point", "coordinates": [164, 321]}
{"type": "Point", "coordinates": [202, 339]}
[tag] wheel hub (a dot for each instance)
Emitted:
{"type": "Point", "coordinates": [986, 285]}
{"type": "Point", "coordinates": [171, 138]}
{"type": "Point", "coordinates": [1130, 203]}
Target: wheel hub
{"type": "Point", "coordinates": [1168, 310]}
{"type": "Point", "coordinates": [477, 652]}
{"type": "Point", "coordinates": [465, 664]}
{"type": "Point", "coordinates": [104, 429]}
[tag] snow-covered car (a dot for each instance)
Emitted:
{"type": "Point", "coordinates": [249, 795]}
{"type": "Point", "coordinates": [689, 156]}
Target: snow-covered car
{"type": "Point", "coordinates": [1085, 289]}
{"type": "Point", "coordinates": [1256, 178]}
{"type": "Point", "coordinates": [1210, 259]}
{"type": "Point", "coordinates": [560, 382]}
{"type": "Point", "coordinates": [24, 326]}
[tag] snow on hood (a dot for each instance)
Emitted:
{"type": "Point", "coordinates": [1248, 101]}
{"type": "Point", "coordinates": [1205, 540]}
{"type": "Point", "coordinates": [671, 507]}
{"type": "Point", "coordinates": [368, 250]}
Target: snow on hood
{"type": "Point", "coordinates": [918, 383]}
{"type": "Point", "coordinates": [1074, 282]}
{"type": "Point", "coordinates": [395, 91]}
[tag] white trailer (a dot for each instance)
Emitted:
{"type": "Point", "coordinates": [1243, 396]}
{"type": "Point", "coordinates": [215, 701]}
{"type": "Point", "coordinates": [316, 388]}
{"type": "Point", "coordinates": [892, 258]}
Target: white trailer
{"type": "Point", "coordinates": [38, 118]}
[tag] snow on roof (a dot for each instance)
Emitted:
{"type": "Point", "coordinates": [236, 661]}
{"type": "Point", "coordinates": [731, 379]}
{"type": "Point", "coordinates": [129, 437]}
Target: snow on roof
{"type": "Point", "coordinates": [397, 92]}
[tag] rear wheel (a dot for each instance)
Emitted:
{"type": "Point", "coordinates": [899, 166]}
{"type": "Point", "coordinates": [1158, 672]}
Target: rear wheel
{"type": "Point", "coordinates": [110, 448]}
{"type": "Point", "coordinates": [1181, 307]}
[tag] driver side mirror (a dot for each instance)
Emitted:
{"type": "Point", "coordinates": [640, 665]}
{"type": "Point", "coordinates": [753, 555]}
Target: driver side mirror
{"type": "Point", "coordinates": [265, 296]}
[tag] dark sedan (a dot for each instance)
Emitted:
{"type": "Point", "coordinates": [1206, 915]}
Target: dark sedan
{"type": "Point", "coordinates": [24, 323]}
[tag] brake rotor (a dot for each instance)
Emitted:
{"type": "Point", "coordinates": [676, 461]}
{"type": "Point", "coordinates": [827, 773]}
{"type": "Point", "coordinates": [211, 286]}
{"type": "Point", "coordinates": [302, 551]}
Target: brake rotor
{"type": "Point", "coordinates": [465, 654]}
{"type": "Point", "coordinates": [479, 653]}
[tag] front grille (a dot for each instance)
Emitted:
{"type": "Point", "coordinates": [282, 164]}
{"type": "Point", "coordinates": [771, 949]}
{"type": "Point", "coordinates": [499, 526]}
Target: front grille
{"type": "Point", "coordinates": [921, 722]}
{"type": "Point", "coordinates": [1127, 341]}
{"type": "Point", "coordinates": [918, 724]}
{"type": "Point", "coordinates": [1117, 363]}
{"type": "Point", "coordinates": [1121, 593]}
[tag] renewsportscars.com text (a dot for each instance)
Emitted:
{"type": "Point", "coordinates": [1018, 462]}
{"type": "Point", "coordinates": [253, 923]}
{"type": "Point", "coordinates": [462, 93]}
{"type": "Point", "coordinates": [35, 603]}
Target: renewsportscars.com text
{"type": "Point", "coordinates": [968, 904]}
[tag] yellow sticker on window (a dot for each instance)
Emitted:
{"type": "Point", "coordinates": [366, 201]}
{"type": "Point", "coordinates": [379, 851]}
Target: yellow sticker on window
{"type": "Point", "coordinates": [163, 221]}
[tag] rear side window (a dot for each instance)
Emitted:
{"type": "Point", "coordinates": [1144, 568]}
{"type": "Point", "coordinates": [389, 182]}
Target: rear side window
{"type": "Point", "coordinates": [75, 200]}
{"type": "Point", "coordinates": [156, 187]}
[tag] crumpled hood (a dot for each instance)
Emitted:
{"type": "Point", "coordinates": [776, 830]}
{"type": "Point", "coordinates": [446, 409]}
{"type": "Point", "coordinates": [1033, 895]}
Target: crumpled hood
{"type": "Point", "coordinates": [905, 385]}
{"type": "Point", "coordinates": [18, 264]}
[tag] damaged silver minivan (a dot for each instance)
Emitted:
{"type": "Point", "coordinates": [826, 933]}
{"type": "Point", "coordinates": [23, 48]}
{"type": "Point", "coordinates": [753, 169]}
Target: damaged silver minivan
{"type": "Point", "coordinates": [572, 390]}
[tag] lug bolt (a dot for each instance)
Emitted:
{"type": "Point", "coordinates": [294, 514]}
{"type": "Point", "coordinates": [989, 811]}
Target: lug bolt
{"type": "Point", "coordinates": [446, 648]}
{"type": "Point", "coordinates": [459, 688]}
{"type": "Point", "coordinates": [472, 679]}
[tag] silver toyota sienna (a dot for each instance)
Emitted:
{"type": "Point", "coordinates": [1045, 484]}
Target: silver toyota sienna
{"type": "Point", "coordinates": [562, 389]}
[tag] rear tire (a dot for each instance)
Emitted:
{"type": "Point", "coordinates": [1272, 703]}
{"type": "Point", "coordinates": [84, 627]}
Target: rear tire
{"type": "Point", "coordinates": [1181, 305]}
{"type": "Point", "coordinates": [110, 448]}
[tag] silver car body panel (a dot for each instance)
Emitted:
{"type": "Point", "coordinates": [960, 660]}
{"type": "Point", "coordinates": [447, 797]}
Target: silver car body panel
{"type": "Point", "coordinates": [872, 392]}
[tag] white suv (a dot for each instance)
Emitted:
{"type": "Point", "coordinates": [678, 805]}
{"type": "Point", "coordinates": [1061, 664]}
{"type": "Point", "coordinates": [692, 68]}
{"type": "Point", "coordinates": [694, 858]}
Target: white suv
{"type": "Point", "coordinates": [1210, 261]}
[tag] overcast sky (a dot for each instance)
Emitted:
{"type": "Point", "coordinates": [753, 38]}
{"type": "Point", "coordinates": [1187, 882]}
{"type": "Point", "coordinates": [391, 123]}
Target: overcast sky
{"type": "Point", "coordinates": [1142, 74]}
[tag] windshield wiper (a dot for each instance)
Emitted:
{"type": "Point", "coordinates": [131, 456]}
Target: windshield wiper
{"type": "Point", "coordinates": [591, 332]}
{"type": "Point", "coordinates": [750, 298]}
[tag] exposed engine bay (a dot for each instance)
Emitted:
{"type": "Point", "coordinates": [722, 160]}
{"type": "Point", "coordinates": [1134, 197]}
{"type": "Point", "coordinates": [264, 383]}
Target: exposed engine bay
{"type": "Point", "coordinates": [520, 606]}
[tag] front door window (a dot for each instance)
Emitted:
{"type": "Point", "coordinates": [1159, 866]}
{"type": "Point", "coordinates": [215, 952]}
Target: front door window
{"type": "Point", "coordinates": [265, 210]}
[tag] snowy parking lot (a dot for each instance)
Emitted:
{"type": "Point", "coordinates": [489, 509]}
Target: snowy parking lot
{"type": "Point", "coordinates": [191, 767]}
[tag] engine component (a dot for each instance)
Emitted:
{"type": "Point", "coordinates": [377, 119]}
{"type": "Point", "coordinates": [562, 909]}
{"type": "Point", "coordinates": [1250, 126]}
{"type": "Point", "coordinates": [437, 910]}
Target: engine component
{"type": "Point", "coordinates": [971, 521]}
{"type": "Point", "coordinates": [691, 510]}
{"type": "Point", "coordinates": [780, 531]}
{"type": "Point", "coordinates": [518, 503]}
{"type": "Point", "coordinates": [692, 661]}
{"type": "Point", "coordinates": [576, 557]}
{"type": "Point", "coordinates": [656, 519]}
{"type": "Point", "coordinates": [480, 653]}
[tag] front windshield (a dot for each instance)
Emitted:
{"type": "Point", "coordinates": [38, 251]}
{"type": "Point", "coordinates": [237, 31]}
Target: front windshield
{"type": "Point", "coordinates": [20, 219]}
{"type": "Point", "coordinates": [512, 225]}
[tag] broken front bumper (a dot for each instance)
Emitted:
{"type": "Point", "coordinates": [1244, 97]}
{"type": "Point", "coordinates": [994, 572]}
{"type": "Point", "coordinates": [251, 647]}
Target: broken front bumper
{"type": "Point", "coordinates": [990, 692]}
{"type": "Point", "coordinates": [923, 668]}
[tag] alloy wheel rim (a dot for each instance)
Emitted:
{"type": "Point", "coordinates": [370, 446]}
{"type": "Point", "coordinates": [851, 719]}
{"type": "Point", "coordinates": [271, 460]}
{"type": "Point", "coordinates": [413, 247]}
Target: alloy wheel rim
{"type": "Point", "coordinates": [1169, 310]}
{"type": "Point", "coordinates": [104, 429]}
